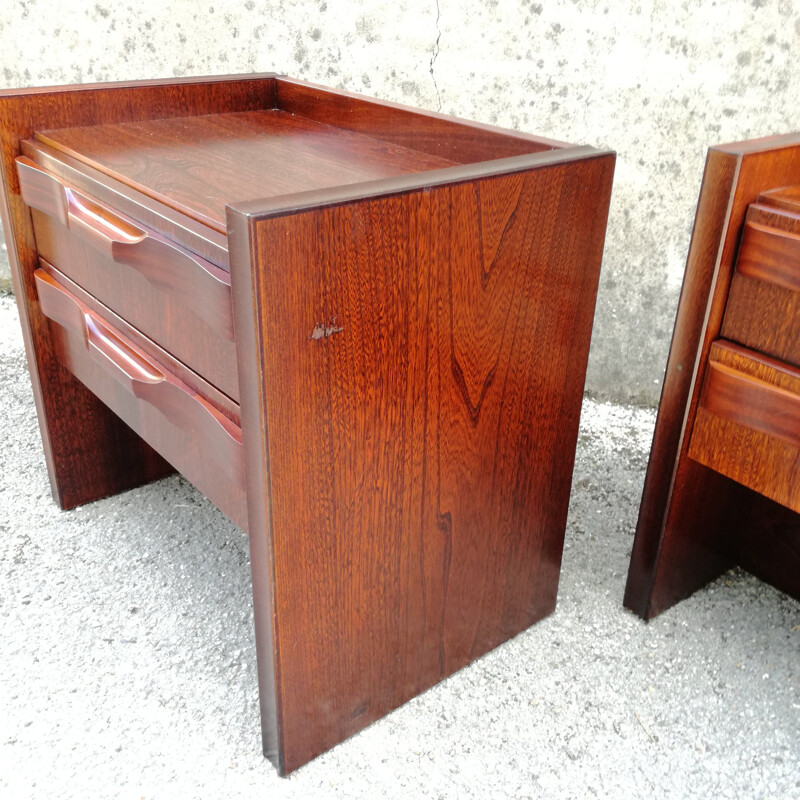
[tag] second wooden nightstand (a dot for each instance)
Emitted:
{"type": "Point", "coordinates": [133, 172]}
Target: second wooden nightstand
{"type": "Point", "coordinates": [723, 483]}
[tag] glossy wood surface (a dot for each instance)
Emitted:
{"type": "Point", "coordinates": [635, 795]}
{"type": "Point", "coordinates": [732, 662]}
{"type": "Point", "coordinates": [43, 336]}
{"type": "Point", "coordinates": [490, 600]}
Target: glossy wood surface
{"type": "Point", "coordinates": [163, 317]}
{"type": "Point", "coordinates": [690, 514]}
{"type": "Point", "coordinates": [190, 234]}
{"type": "Point", "coordinates": [457, 140]}
{"type": "Point", "coordinates": [198, 384]}
{"type": "Point", "coordinates": [763, 310]}
{"type": "Point", "coordinates": [172, 270]}
{"type": "Point", "coordinates": [786, 197]}
{"type": "Point", "coordinates": [233, 157]}
{"type": "Point", "coordinates": [199, 441]}
{"type": "Point", "coordinates": [748, 422]}
{"type": "Point", "coordinates": [412, 302]}
{"type": "Point", "coordinates": [418, 452]}
{"type": "Point", "coordinates": [770, 255]}
{"type": "Point", "coordinates": [90, 453]}
{"type": "Point", "coordinates": [162, 300]}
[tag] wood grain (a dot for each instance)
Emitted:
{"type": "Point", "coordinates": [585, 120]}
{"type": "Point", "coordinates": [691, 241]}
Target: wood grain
{"type": "Point", "coordinates": [198, 384]}
{"type": "Point", "coordinates": [412, 324]}
{"type": "Point", "coordinates": [190, 234]}
{"type": "Point", "coordinates": [693, 550]}
{"type": "Point", "coordinates": [763, 310]}
{"type": "Point", "coordinates": [786, 198]}
{"type": "Point", "coordinates": [770, 255]}
{"type": "Point", "coordinates": [166, 300]}
{"type": "Point", "coordinates": [199, 441]}
{"type": "Point", "coordinates": [197, 165]}
{"type": "Point", "coordinates": [182, 276]}
{"type": "Point", "coordinates": [748, 422]}
{"type": "Point", "coordinates": [418, 453]}
{"type": "Point", "coordinates": [90, 452]}
{"type": "Point", "coordinates": [457, 140]}
{"type": "Point", "coordinates": [690, 514]}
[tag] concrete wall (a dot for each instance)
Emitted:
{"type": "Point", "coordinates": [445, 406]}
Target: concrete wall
{"type": "Point", "coordinates": [657, 81]}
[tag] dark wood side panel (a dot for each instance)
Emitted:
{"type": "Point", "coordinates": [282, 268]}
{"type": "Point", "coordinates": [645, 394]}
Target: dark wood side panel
{"type": "Point", "coordinates": [245, 277]}
{"type": "Point", "coordinates": [689, 513]}
{"type": "Point", "coordinates": [698, 559]}
{"type": "Point", "coordinates": [90, 453]}
{"type": "Point", "coordinates": [427, 132]}
{"type": "Point", "coordinates": [770, 548]}
{"type": "Point", "coordinates": [421, 365]}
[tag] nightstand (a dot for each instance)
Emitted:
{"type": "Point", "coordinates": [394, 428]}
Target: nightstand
{"type": "Point", "coordinates": [723, 483]}
{"type": "Point", "coordinates": [361, 330]}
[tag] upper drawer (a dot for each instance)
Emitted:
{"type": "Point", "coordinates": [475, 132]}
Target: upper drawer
{"type": "Point", "coordinates": [171, 295]}
{"type": "Point", "coordinates": [763, 309]}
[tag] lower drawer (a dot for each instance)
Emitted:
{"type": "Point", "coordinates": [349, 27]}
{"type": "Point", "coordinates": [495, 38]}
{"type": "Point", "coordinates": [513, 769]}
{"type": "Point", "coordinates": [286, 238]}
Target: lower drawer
{"type": "Point", "coordinates": [748, 422]}
{"type": "Point", "coordinates": [175, 419]}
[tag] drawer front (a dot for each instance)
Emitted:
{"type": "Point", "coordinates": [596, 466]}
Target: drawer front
{"type": "Point", "coordinates": [748, 422]}
{"type": "Point", "coordinates": [763, 308]}
{"type": "Point", "coordinates": [175, 419]}
{"type": "Point", "coordinates": [172, 296]}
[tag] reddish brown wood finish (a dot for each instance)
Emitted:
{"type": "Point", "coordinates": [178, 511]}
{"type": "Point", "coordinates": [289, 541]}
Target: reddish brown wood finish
{"type": "Point", "coordinates": [787, 198]}
{"type": "Point", "coordinates": [418, 452]}
{"type": "Point", "coordinates": [233, 157]}
{"type": "Point", "coordinates": [763, 310]}
{"type": "Point", "coordinates": [188, 233]}
{"type": "Point", "coordinates": [770, 255]}
{"type": "Point", "coordinates": [770, 544]}
{"type": "Point", "coordinates": [172, 301]}
{"type": "Point", "coordinates": [90, 452]}
{"type": "Point", "coordinates": [748, 423]}
{"type": "Point", "coordinates": [199, 441]}
{"type": "Point", "coordinates": [457, 140]}
{"type": "Point", "coordinates": [210, 393]}
{"type": "Point", "coordinates": [691, 515]}
{"type": "Point", "coordinates": [412, 301]}
{"type": "Point", "coordinates": [171, 270]}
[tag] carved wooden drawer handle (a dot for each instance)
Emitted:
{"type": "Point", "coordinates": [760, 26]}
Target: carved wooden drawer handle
{"type": "Point", "coordinates": [771, 255]}
{"type": "Point", "coordinates": [745, 400]}
{"type": "Point", "coordinates": [144, 379]}
{"type": "Point", "coordinates": [171, 269]}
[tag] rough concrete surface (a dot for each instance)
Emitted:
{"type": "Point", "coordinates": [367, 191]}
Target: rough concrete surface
{"type": "Point", "coordinates": [658, 81]}
{"type": "Point", "coordinates": [127, 661]}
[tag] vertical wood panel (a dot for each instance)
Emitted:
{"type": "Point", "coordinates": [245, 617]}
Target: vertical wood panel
{"type": "Point", "coordinates": [422, 365]}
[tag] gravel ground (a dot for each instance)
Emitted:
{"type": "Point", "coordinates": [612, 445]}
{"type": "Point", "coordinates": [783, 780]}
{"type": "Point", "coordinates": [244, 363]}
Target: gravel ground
{"type": "Point", "coordinates": [127, 663]}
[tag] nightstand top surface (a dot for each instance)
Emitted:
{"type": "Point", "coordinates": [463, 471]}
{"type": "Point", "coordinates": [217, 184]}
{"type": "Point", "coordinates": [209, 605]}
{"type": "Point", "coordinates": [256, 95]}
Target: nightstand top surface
{"type": "Point", "coordinates": [197, 165]}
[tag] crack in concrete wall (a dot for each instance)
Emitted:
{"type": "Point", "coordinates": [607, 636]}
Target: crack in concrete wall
{"type": "Point", "coordinates": [435, 55]}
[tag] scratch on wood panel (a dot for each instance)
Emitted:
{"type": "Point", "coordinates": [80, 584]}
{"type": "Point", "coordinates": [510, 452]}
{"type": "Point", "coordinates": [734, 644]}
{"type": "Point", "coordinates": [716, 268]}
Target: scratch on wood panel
{"type": "Point", "coordinates": [322, 331]}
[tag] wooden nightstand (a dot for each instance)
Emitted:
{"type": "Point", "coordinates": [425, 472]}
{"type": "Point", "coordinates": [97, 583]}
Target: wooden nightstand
{"type": "Point", "coordinates": [723, 483]}
{"type": "Point", "coordinates": [361, 330]}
